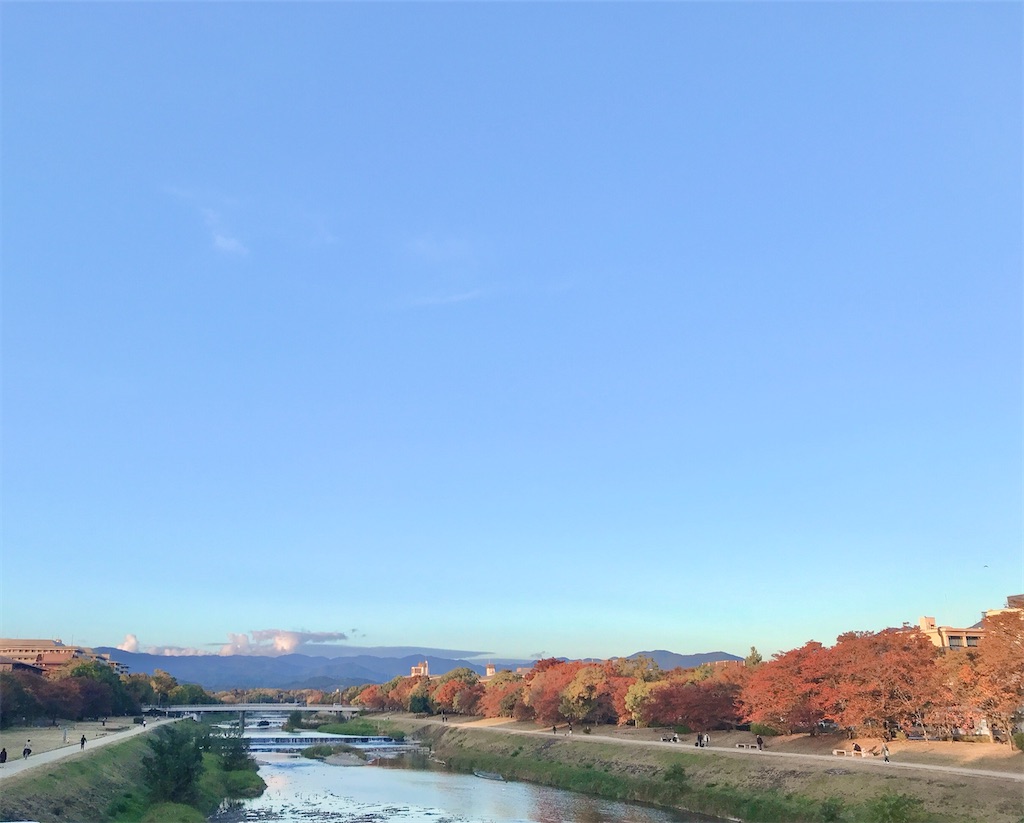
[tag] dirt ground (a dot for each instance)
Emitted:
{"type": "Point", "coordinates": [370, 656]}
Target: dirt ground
{"type": "Point", "coordinates": [993, 756]}
{"type": "Point", "coordinates": [47, 738]}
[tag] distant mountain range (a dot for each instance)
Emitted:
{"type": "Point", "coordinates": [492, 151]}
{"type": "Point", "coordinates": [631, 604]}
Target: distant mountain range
{"type": "Point", "coordinates": [302, 671]}
{"type": "Point", "coordinates": [670, 660]}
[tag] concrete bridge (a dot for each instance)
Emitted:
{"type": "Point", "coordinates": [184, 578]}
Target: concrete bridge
{"type": "Point", "coordinates": [347, 712]}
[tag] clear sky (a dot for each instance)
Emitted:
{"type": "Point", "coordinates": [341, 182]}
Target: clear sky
{"type": "Point", "coordinates": [567, 329]}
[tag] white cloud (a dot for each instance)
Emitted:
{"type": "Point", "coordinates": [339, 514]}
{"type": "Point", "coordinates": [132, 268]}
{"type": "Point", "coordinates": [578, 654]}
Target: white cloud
{"type": "Point", "coordinates": [276, 641]}
{"type": "Point", "coordinates": [129, 644]}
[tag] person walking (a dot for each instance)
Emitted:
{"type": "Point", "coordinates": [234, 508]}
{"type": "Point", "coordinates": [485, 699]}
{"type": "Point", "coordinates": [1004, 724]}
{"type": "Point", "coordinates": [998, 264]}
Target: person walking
{"type": "Point", "coordinates": [885, 752]}
{"type": "Point", "coordinates": [760, 743]}
{"type": "Point", "coordinates": [27, 750]}
{"type": "Point", "coordinates": [3, 755]}
{"type": "Point", "coordinates": [83, 741]}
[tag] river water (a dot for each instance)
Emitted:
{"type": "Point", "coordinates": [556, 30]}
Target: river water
{"type": "Point", "coordinates": [308, 790]}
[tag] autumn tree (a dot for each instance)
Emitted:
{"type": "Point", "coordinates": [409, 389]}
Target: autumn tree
{"type": "Point", "coordinates": [544, 690]}
{"type": "Point", "coordinates": [878, 680]}
{"type": "Point", "coordinates": [503, 693]}
{"type": "Point", "coordinates": [638, 702]}
{"type": "Point", "coordinates": [1001, 669]}
{"type": "Point", "coordinates": [371, 697]}
{"type": "Point", "coordinates": [18, 700]}
{"type": "Point", "coordinates": [587, 697]}
{"type": "Point", "coordinates": [783, 693]}
{"type": "Point", "coordinates": [955, 691]}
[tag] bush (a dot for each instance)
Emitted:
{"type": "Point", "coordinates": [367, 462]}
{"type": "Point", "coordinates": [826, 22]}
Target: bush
{"type": "Point", "coordinates": [173, 813]}
{"type": "Point", "coordinates": [676, 776]}
{"type": "Point", "coordinates": [243, 784]}
{"type": "Point", "coordinates": [1018, 741]}
{"type": "Point", "coordinates": [763, 730]}
{"type": "Point", "coordinates": [832, 809]}
{"type": "Point", "coordinates": [894, 808]}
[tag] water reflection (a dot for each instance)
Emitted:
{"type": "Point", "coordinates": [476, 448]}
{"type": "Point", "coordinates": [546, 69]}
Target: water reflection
{"type": "Point", "coordinates": [306, 790]}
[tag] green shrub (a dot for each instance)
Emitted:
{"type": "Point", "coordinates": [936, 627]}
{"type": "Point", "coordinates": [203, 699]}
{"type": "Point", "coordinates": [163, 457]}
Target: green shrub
{"type": "Point", "coordinates": [243, 784]}
{"type": "Point", "coordinates": [895, 808]}
{"type": "Point", "coordinates": [173, 813]}
{"type": "Point", "coordinates": [763, 730]}
{"type": "Point", "coordinates": [1018, 740]}
{"type": "Point", "coordinates": [832, 809]}
{"type": "Point", "coordinates": [317, 752]}
{"type": "Point", "coordinates": [676, 775]}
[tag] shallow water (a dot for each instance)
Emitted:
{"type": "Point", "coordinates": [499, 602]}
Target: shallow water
{"type": "Point", "coordinates": [308, 790]}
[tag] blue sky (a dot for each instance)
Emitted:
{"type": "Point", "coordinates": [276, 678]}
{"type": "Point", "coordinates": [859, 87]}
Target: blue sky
{"type": "Point", "coordinates": [571, 329]}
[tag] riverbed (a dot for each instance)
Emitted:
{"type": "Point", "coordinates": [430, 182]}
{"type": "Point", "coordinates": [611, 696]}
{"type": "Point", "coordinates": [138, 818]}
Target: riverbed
{"type": "Point", "coordinates": [299, 789]}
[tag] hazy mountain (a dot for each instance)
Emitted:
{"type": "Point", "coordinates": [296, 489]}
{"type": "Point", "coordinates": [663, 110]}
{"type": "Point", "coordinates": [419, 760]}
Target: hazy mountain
{"type": "Point", "coordinates": [293, 671]}
{"type": "Point", "coordinates": [298, 671]}
{"type": "Point", "coordinates": [671, 660]}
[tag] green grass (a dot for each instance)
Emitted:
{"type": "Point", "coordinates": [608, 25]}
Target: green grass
{"type": "Point", "coordinates": [362, 727]}
{"type": "Point", "coordinates": [109, 786]}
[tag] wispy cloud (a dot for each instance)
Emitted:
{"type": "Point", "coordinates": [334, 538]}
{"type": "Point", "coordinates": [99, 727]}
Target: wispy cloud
{"type": "Point", "coordinates": [462, 297]}
{"type": "Point", "coordinates": [131, 644]}
{"type": "Point", "coordinates": [211, 209]}
{"type": "Point", "coordinates": [269, 642]}
{"type": "Point", "coordinates": [223, 241]}
{"type": "Point", "coordinates": [430, 248]}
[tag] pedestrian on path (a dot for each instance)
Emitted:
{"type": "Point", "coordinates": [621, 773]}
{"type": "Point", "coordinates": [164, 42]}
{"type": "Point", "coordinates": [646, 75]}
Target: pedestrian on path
{"type": "Point", "coordinates": [885, 752]}
{"type": "Point", "coordinates": [27, 750]}
{"type": "Point", "coordinates": [83, 741]}
{"type": "Point", "coordinates": [3, 755]}
{"type": "Point", "coordinates": [760, 743]}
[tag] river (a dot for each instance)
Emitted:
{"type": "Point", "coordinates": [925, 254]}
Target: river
{"type": "Point", "coordinates": [309, 790]}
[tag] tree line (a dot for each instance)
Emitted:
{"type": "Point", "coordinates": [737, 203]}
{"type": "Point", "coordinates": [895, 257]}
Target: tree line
{"type": "Point", "coordinates": [867, 683]}
{"type": "Point", "coordinates": [81, 690]}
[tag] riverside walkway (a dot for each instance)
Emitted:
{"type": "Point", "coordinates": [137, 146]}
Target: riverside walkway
{"type": "Point", "coordinates": [849, 763]}
{"type": "Point", "coordinates": [16, 764]}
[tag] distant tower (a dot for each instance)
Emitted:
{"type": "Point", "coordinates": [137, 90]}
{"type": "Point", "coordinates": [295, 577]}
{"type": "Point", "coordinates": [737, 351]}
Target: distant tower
{"type": "Point", "coordinates": [489, 670]}
{"type": "Point", "coordinates": [422, 670]}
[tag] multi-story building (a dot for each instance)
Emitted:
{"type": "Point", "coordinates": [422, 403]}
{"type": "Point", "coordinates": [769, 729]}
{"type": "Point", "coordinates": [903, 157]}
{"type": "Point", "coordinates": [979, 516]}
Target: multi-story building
{"type": "Point", "coordinates": [949, 637]}
{"type": "Point", "coordinates": [50, 655]}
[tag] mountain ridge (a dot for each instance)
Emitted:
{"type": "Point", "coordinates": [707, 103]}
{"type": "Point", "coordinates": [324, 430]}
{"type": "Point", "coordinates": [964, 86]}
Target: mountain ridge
{"type": "Point", "coordinates": [296, 671]}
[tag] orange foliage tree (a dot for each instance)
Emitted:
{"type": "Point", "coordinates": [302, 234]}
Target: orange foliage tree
{"type": "Point", "coordinates": [1000, 669]}
{"type": "Point", "coordinates": [878, 681]}
{"type": "Point", "coordinates": [783, 693]}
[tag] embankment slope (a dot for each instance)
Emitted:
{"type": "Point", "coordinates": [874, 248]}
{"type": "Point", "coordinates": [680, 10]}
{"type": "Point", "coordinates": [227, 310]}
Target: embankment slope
{"type": "Point", "coordinates": [749, 786]}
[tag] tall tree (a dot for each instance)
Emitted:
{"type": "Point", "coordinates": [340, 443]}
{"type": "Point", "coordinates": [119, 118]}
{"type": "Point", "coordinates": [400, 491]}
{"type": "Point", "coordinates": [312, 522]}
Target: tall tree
{"type": "Point", "coordinates": [876, 681]}
{"type": "Point", "coordinates": [1001, 669]}
{"type": "Point", "coordinates": [784, 692]}
{"type": "Point", "coordinates": [174, 764]}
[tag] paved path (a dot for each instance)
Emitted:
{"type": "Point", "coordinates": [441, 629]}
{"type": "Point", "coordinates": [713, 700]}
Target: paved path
{"type": "Point", "coordinates": [19, 765]}
{"type": "Point", "coordinates": [839, 762]}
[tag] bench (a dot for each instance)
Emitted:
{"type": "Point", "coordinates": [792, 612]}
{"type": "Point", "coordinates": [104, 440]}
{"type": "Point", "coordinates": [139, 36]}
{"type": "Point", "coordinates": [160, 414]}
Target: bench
{"type": "Point", "coordinates": [670, 740]}
{"type": "Point", "coordinates": [851, 754]}
{"type": "Point", "coordinates": [746, 745]}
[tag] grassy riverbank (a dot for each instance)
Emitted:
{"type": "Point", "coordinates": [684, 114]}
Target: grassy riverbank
{"type": "Point", "coordinates": [110, 785]}
{"type": "Point", "coordinates": [746, 788]}
{"type": "Point", "coordinates": [78, 789]}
